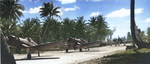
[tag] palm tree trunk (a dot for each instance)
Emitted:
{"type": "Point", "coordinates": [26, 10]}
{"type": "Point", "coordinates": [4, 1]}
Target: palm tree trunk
{"type": "Point", "coordinates": [45, 30]}
{"type": "Point", "coordinates": [6, 57]}
{"type": "Point", "coordinates": [101, 36]}
{"type": "Point", "coordinates": [138, 41]}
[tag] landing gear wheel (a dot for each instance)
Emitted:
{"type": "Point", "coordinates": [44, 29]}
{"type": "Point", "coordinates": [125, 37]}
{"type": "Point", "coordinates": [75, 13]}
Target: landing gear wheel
{"type": "Point", "coordinates": [88, 49]}
{"type": "Point", "coordinates": [29, 56]}
{"type": "Point", "coordinates": [66, 50]}
{"type": "Point", "coordinates": [80, 50]}
{"type": "Point", "coordinates": [38, 54]}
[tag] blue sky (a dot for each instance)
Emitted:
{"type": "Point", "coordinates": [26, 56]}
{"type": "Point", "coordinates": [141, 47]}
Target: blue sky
{"type": "Point", "coordinates": [117, 12]}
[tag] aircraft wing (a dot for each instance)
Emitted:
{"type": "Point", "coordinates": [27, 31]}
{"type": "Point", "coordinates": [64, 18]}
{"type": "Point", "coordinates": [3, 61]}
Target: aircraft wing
{"type": "Point", "coordinates": [97, 43]}
{"type": "Point", "coordinates": [92, 44]}
{"type": "Point", "coordinates": [128, 41]}
{"type": "Point", "coordinates": [47, 46]}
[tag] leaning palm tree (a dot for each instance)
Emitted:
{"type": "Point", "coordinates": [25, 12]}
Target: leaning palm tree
{"type": "Point", "coordinates": [10, 10]}
{"type": "Point", "coordinates": [135, 31]}
{"type": "Point", "coordinates": [49, 11]}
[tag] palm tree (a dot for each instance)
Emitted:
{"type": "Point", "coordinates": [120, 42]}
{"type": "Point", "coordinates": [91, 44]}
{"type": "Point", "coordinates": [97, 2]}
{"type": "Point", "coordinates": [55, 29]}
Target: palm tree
{"type": "Point", "coordinates": [80, 26]}
{"type": "Point", "coordinates": [136, 38]}
{"type": "Point", "coordinates": [31, 28]}
{"type": "Point", "coordinates": [53, 30]}
{"type": "Point", "coordinates": [10, 10]}
{"type": "Point", "coordinates": [49, 10]}
{"type": "Point", "coordinates": [68, 28]}
{"type": "Point", "coordinates": [56, 30]}
{"type": "Point", "coordinates": [100, 25]}
{"type": "Point", "coordinates": [93, 21]}
{"type": "Point", "coordinates": [9, 28]}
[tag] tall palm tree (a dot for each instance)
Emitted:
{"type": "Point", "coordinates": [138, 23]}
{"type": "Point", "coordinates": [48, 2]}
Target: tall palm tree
{"type": "Point", "coordinates": [136, 38]}
{"type": "Point", "coordinates": [56, 27]}
{"type": "Point", "coordinates": [10, 10]}
{"type": "Point", "coordinates": [80, 26]}
{"type": "Point", "coordinates": [90, 33]}
{"type": "Point", "coordinates": [100, 25]}
{"type": "Point", "coordinates": [68, 28]}
{"type": "Point", "coordinates": [93, 21]}
{"type": "Point", "coordinates": [49, 11]}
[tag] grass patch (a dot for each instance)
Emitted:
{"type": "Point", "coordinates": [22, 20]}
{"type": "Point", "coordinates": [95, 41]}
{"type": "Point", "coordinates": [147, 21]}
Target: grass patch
{"type": "Point", "coordinates": [136, 56]}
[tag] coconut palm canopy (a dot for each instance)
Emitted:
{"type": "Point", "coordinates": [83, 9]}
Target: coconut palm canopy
{"type": "Point", "coordinates": [117, 13]}
{"type": "Point", "coordinates": [11, 10]}
{"type": "Point", "coordinates": [88, 19]}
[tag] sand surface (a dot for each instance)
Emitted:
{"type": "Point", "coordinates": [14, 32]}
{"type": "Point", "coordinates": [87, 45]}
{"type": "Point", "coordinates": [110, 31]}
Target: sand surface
{"type": "Point", "coordinates": [72, 57]}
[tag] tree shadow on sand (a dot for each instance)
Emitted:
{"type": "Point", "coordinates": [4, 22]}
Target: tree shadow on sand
{"type": "Point", "coordinates": [136, 56]}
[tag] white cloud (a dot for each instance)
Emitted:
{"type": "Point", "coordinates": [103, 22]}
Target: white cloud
{"type": "Point", "coordinates": [33, 10]}
{"type": "Point", "coordinates": [72, 9]}
{"type": "Point", "coordinates": [123, 12]}
{"type": "Point", "coordinates": [94, 0]}
{"type": "Point", "coordinates": [30, 0]}
{"type": "Point", "coordinates": [63, 10]}
{"type": "Point", "coordinates": [147, 20]}
{"type": "Point", "coordinates": [66, 1]}
{"type": "Point", "coordinates": [139, 10]}
{"type": "Point", "coordinates": [36, 1]}
{"type": "Point", "coordinates": [95, 13]}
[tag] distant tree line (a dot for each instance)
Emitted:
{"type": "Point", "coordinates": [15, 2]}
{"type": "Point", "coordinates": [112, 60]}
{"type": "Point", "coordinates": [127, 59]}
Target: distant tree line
{"type": "Point", "coordinates": [51, 29]}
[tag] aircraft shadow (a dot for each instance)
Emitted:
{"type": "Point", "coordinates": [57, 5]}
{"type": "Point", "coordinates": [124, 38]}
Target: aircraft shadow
{"type": "Point", "coordinates": [91, 51]}
{"type": "Point", "coordinates": [83, 51]}
{"type": "Point", "coordinates": [37, 58]}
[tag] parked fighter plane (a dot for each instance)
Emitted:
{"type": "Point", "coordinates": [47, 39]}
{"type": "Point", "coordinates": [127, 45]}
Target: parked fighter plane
{"type": "Point", "coordinates": [30, 45]}
{"type": "Point", "coordinates": [81, 43]}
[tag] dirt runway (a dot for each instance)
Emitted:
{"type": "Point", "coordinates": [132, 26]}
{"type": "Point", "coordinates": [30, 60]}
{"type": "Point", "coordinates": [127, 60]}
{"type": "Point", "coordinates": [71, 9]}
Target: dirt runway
{"type": "Point", "coordinates": [72, 57]}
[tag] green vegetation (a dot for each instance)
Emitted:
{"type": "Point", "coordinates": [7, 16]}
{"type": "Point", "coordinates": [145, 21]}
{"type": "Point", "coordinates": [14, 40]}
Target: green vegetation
{"type": "Point", "coordinates": [51, 29]}
{"type": "Point", "coordinates": [11, 10]}
{"type": "Point", "coordinates": [145, 37]}
{"type": "Point", "coordinates": [129, 36]}
{"type": "Point", "coordinates": [134, 56]}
